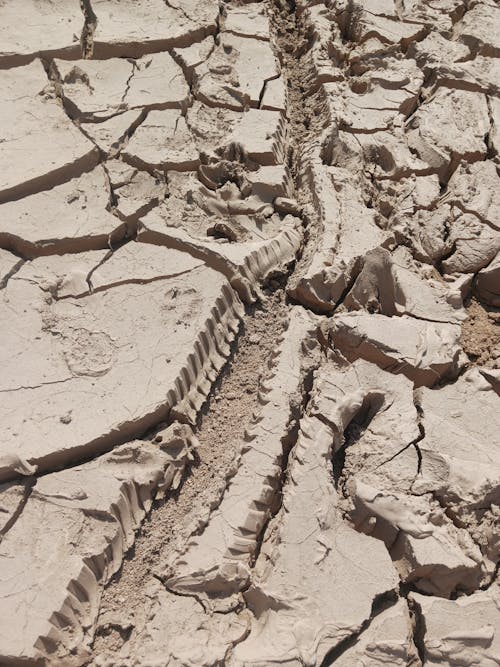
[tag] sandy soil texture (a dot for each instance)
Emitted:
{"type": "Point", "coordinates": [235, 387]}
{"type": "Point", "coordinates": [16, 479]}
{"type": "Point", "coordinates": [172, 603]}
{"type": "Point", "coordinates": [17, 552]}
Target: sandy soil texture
{"type": "Point", "coordinates": [249, 333]}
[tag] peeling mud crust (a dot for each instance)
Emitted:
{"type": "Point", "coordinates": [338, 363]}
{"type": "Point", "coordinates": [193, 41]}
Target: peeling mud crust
{"type": "Point", "coordinates": [249, 294]}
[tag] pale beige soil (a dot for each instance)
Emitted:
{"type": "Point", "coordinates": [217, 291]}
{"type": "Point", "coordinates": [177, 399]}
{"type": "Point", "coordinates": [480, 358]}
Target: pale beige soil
{"type": "Point", "coordinates": [249, 339]}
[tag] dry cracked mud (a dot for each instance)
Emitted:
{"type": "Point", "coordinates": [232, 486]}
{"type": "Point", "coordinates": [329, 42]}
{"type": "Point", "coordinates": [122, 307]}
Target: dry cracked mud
{"type": "Point", "coordinates": [250, 333]}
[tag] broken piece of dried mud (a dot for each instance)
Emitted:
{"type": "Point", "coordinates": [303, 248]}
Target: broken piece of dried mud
{"type": "Point", "coordinates": [463, 632]}
{"type": "Point", "coordinates": [99, 89]}
{"type": "Point", "coordinates": [30, 28]}
{"type": "Point", "coordinates": [132, 28]}
{"type": "Point", "coordinates": [426, 352]}
{"type": "Point", "coordinates": [235, 74]}
{"type": "Point", "coordinates": [40, 145]}
{"type": "Point", "coordinates": [71, 348]}
{"type": "Point", "coordinates": [71, 217]}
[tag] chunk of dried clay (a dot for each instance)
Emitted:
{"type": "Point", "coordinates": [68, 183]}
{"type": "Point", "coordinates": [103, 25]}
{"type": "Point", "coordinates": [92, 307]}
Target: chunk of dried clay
{"type": "Point", "coordinates": [388, 155]}
{"type": "Point", "coordinates": [425, 352]}
{"type": "Point", "coordinates": [427, 232]}
{"type": "Point", "coordinates": [274, 96]}
{"type": "Point", "coordinates": [135, 192]}
{"type": "Point", "coordinates": [358, 24]}
{"type": "Point", "coordinates": [246, 265]}
{"type": "Point", "coordinates": [248, 20]}
{"type": "Point", "coordinates": [481, 74]}
{"type": "Point", "coordinates": [462, 632]}
{"type": "Point", "coordinates": [302, 602]}
{"type": "Point", "coordinates": [163, 141]}
{"type": "Point", "coordinates": [374, 421]}
{"type": "Point", "coordinates": [112, 135]}
{"type": "Point", "coordinates": [348, 231]}
{"type": "Point", "coordinates": [269, 182]}
{"type": "Point", "coordinates": [210, 127]}
{"type": "Point", "coordinates": [72, 217]}
{"type": "Point", "coordinates": [441, 15]}
{"type": "Point", "coordinates": [387, 640]}
{"type": "Point", "coordinates": [479, 30]}
{"type": "Point", "coordinates": [460, 461]}
{"type": "Point", "coordinates": [252, 493]}
{"type": "Point", "coordinates": [392, 285]}
{"type": "Point", "coordinates": [450, 127]}
{"type": "Point", "coordinates": [259, 136]}
{"type": "Point", "coordinates": [67, 543]}
{"type": "Point", "coordinates": [375, 427]}
{"type": "Point", "coordinates": [180, 631]}
{"type": "Point", "coordinates": [377, 100]}
{"type": "Point", "coordinates": [487, 285]}
{"type": "Point", "coordinates": [436, 50]}
{"type": "Point", "coordinates": [34, 124]}
{"type": "Point", "coordinates": [190, 57]}
{"type": "Point", "coordinates": [31, 28]}
{"type": "Point", "coordinates": [235, 74]}
{"type": "Point", "coordinates": [474, 243]}
{"type": "Point", "coordinates": [428, 551]}
{"type": "Point", "coordinates": [475, 188]}
{"type": "Point", "coordinates": [131, 28]}
{"type": "Point", "coordinates": [88, 347]}
{"type": "Point", "coordinates": [99, 89]}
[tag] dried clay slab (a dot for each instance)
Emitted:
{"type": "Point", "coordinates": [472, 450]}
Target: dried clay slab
{"type": "Point", "coordinates": [235, 74]}
{"type": "Point", "coordinates": [40, 145]}
{"type": "Point", "coordinates": [107, 351]}
{"type": "Point", "coordinates": [71, 217]}
{"type": "Point", "coordinates": [132, 28]}
{"type": "Point", "coordinates": [376, 425]}
{"type": "Point", "coordinates": [98, 89]}
{"type": "Point", "coordinates": [425, 352]}
{"type": "Point", "coordinates": [30, 28]}
{"type": "Point", "coordinates": [461, 632]}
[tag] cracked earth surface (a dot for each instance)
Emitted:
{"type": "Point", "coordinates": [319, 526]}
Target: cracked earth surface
{"type": "Point", "coordinates": [250, 295]}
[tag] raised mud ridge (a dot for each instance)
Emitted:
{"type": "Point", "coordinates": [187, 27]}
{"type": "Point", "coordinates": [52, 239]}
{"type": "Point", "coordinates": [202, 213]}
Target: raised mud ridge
{"type": "Point", "coordinates": [250, 299]}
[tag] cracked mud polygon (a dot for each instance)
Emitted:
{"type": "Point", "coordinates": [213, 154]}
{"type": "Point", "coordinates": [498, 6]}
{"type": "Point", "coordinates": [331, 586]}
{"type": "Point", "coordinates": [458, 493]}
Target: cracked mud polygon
{"type": "Point", "coordinates": [250, 311]}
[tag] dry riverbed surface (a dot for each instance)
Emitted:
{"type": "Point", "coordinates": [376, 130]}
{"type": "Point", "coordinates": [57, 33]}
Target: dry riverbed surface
{"type": "Point", "coordinates": [249, 339]}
